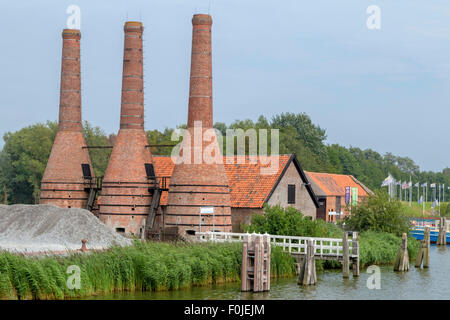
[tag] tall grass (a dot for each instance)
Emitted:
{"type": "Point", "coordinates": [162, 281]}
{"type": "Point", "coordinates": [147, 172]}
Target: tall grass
{"type": "Point", "coordinates": [382, 247]}
{"type": "Point", "coordinates": [141, 267]}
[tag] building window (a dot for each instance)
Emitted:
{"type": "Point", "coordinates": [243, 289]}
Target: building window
{"type": "Point", "coordinates": [291, 193]}
{"type": "Point", "coordinates": [120, 230]}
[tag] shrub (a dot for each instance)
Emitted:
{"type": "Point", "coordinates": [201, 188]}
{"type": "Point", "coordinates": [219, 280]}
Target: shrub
{"type": "Point", "coordinates": [379, 213]}
{"type": "Point", "coordinates": [290, 222]}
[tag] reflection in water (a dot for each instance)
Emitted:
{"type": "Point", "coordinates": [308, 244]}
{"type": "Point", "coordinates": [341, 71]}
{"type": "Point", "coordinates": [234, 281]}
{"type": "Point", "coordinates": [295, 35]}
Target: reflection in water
{"type": "Point", "coordinates": [432, 283]}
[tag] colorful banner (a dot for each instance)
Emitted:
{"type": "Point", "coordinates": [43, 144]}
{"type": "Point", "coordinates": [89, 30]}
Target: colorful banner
{"type": "Point", "coordinates": [354, 196]}
{"type": "Point", "coordinates": [347, 195]}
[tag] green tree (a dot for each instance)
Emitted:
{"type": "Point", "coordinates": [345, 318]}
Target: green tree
{"type": "Point", "coordinates": [23, 160]}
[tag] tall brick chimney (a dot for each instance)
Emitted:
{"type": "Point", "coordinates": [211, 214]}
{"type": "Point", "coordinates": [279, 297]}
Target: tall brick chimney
{"type": "Point", "coordinates": [63, 183]}
{"type": "Point", "coordinates": [199, 194]}
{"type": "Point", "coordinates": [126, 198]}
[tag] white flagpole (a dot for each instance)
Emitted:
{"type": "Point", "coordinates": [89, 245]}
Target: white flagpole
{"type": "Point", "coordinates": [423, 205]}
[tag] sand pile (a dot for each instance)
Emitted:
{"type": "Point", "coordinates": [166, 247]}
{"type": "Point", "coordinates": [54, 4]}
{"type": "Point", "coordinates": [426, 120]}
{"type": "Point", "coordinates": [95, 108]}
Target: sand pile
{"type": "Point", "coordinates": [41, 228]}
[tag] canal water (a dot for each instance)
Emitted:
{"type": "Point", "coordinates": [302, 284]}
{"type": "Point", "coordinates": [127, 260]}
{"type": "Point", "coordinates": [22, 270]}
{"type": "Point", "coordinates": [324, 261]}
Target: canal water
{"type": "Point", "coordinates": [432, 283]}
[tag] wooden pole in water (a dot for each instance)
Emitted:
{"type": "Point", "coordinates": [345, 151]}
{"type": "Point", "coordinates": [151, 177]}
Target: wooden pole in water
{"type": "Point", "coordinates": [255, 274]}
{"type": "Point", "coordinates": [258, 270]}
{"type": "Point", "coordinates": [442, 238]}
{"type": "Point", "coordinates": [307, 274]}
{"type": "Point", "coordinates": [424, 251]}
{"type": "Point", "coordinates": [355, 252]}
{"type": "Point", "coordinates": [267, 262]}
{"type": "Point", "coordinates": [245, 282]}
{"type": "Point", "coordinates": [345, 256]}
{"type": "Point", "coordinates": [402, 260]}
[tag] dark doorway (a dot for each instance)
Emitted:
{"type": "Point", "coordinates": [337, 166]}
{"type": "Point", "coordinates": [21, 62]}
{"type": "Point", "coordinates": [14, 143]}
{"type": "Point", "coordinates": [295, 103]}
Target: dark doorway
{"type": "Point", "coordinates": [322, 210]}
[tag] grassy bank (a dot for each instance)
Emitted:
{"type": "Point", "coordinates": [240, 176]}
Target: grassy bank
{"type": "Point", "coordinates": [416, 210]}
{"type": "Point", "coordinates": [141, 267]}
{"type": "Point", "coordinates": [378, 248]}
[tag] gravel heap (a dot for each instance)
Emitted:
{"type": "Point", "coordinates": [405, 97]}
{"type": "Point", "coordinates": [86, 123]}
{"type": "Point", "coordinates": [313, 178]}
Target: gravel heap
{"type": "Point", "coordinates": [47, 228]}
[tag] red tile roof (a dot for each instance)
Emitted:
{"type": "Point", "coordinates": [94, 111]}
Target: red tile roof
{"type": "Point", "coordinates": [249, 188]}
{"type": "Point", "coordinates": [334, 184]}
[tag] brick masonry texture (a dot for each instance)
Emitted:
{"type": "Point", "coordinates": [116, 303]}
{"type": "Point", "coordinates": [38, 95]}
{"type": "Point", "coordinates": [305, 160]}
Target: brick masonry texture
{"type": "Point", "coordinates": [195, 185]}
{"type": "Point", "coordinates": [125, 200]}
{"type": "Point", "coordinates": [63, 184]}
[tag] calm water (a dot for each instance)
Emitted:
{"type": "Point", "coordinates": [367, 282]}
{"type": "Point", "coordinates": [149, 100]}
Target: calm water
{"type": "Point", "coordinates": [432, 283]}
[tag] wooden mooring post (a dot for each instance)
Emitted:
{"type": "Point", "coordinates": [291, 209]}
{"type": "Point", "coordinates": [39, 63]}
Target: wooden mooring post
{"type": "Point", "coordinates": [355, 252]}
{"type": "Point", "coordinates": [424, 252]}
{"type": "Point", "coordinates": [402, 260]}
{"type": "Point", "coordinates": [255, 275]}
{"type": "Point", "coordinates": [442, 237]}
{"type": "Point", "coordinates": [346, 258]}
{"type": "Point", "coordinates": [307, 275]}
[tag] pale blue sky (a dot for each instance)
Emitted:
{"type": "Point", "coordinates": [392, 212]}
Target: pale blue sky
{"type": "Point", "coordinates": [385, 89]}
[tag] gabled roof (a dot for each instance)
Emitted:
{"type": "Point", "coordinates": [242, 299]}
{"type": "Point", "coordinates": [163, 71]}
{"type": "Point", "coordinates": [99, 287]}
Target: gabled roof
{"type": "Point", "coordinates": [249, 188]}
{"type": "Point", "coordinates": [331, 184]}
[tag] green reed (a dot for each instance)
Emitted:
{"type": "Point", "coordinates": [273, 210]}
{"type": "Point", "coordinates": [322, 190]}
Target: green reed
{"type": "Point", "coordinates": [140, 267]}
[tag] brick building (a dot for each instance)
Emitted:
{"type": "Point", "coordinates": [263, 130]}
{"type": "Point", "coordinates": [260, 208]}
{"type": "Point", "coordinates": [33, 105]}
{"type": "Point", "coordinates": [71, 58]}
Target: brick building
{"type": "Point", "coordinates": [250, 190]}
{"type": "Point", "coordinates": [329, 189]}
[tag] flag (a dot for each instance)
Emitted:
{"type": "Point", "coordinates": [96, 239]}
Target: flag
{"type": "Point", "coordinates": [433, 185]}
{"type": "Point", "coordinates": [354, 196]}
{"type": "Point", "coordinates": [416, 185]}
{"type": "Point", "coordinates": [421, 199]}
{"type": "Point", "coordinates": [435, 204]}
{"type": "Point", "coordinates": [389, 180]}
{"type": "Point", "coordinates": [410, 184]}
{"type": "Point", "coordinates": [405, 185]}
{"type": "Point", "coordinates": [424, 184]}
{"type": "Point", "coordinates": [347, 195]}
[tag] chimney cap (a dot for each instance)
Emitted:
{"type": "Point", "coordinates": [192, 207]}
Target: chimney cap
{"type": "Point", "coordinates": [133, 25]}
{"type": "Point", "coordinates": [71, 33]}
{"type": "Point", "coordinates": [202, 19]}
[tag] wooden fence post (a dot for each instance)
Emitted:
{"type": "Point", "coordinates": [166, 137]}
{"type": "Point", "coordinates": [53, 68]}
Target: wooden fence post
{"type": "Point", "coordinates": [307, 274]}
{"type": "Point", "coordinates": [402, 260]}
{"type": "Point", "coordinates": [424, 251]}
{"type": "Point", "coordinates": [442, 238]}
{"type": "Point", "coordinates": [355, 252]}
{"type": "Point", "coordinates": [345, 256]}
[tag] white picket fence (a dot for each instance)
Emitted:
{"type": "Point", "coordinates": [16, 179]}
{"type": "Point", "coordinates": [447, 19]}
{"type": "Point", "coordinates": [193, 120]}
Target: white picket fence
{"type": "Point", "coordinates": [323, 247]}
